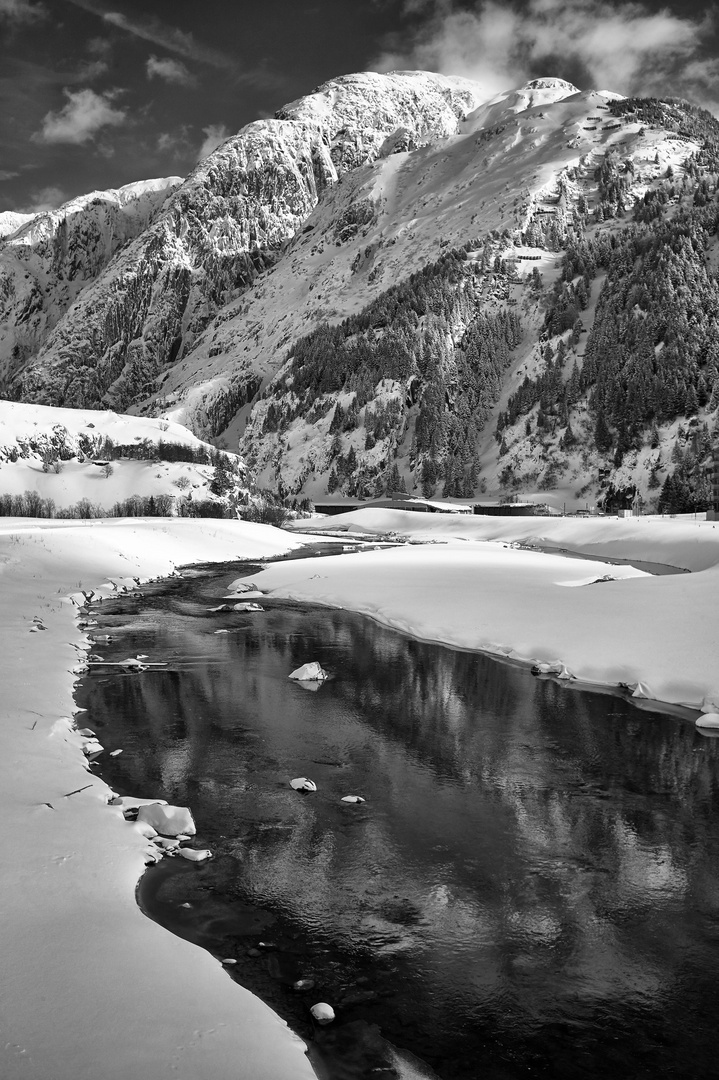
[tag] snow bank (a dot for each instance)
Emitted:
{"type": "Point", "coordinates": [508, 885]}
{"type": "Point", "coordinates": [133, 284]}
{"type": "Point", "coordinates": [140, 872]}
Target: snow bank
{"type": "Point", "coordinates": [680, 541]}
{"type": "Point", "coordinates": [92, 988]}
{"type": "Point", "coordinates": [656, 635]}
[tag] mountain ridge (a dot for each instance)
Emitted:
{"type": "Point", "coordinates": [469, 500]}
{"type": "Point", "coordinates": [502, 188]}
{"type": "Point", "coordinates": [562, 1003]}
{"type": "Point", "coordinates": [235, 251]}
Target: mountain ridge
{"type": "Point", "coordinates": [312, 218]}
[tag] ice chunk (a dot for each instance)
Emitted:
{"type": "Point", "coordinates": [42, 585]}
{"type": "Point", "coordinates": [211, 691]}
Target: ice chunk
{"type": "Point", "coordinates": [194, 854]}
{"type": "Point", "coordinates": [168, 820]}
{"type": "Point", "coordinates": [323, 1013]}
{"type": "Point", "coordinates": [311, 672]}
{"type": "Point", "coordinates": [301, 783]}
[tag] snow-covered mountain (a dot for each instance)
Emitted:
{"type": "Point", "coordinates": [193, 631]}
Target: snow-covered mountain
{"type": "Point", "coordinates": [48, 259]}
{"type": "Point", "coordinates": [221, 228]}
{"type": "Point", "coordinates": [378, 287]}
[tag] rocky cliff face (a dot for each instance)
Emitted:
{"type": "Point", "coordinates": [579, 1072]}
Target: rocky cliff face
{"type": "Point", "coordinates": [48, 259]}
{"type": "Point", "coordinates": [222, 227]}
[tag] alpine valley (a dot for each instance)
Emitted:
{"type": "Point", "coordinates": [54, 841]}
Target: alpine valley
{"type": "Point", "coordinates": [397, 284]}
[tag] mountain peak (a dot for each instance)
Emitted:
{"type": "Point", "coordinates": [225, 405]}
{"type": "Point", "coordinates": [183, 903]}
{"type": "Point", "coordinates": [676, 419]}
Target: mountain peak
{"type": "Point", "coordinates": [552, 84]}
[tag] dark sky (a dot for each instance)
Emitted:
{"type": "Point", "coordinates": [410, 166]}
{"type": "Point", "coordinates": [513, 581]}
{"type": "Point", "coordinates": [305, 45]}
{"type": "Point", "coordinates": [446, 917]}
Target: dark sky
{"type": "Point", "coordinates": [97, 93]}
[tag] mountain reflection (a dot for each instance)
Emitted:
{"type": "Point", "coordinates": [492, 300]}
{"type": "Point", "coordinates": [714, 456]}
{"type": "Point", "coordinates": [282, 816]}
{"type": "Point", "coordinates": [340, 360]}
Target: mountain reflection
{"type": "Point", "coordinates": [534, 874]}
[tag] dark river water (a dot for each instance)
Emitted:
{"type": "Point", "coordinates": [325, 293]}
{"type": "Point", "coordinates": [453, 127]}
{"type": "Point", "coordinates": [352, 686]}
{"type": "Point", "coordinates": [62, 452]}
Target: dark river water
{"type": "Point", "coordinates": [531, 888]}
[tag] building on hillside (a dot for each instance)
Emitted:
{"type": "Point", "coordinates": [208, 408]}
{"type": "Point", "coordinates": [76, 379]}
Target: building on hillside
{"type": "Point", "coordinates": [513, 509]}
{"type": "Point", "coordinates": [393, 501]}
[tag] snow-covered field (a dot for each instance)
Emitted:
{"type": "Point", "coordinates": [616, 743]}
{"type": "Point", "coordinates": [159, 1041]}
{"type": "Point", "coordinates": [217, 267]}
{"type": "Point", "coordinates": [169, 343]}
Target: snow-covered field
{"type": "Point", "coordinates": [91, 988]}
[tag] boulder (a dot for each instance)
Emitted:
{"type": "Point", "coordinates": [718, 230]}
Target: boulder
{"type": "Point", "coordinates": [323, 1013]}
{"type": "Point", "coordinates": [352, 798]}
{"type": "Point", "coordinates": [301, 783]}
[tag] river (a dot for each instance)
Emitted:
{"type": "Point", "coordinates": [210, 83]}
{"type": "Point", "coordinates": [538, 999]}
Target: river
{"type": "Point", "coordinates": [531, 887]}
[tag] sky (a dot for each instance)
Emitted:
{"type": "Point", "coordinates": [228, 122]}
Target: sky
{"type": "Point", "coordinates": [99, 93]}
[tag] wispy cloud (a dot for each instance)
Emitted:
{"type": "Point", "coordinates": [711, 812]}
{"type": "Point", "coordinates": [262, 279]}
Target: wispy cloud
{"type": "Point", "coordinates": [16, 12]}
{"type": "Point", "coordinates": [180, 43]}
{"type": "Point", "coordinates": [84, 115]}
{"type": "Point", "coordinates": [6, 174]}
{"type": "Point", "coordinates": [176, 144]}
{"type": "Point", "coordinates": [169, 70]}
{"type": "Point", "coordinates": [627, 47]}
{"type": "Point", "coordinates": [47, 198]}
{"type": "Point", "coordinates": [149, 28]}
{"type": "Point", "coordinates": [214, 135]}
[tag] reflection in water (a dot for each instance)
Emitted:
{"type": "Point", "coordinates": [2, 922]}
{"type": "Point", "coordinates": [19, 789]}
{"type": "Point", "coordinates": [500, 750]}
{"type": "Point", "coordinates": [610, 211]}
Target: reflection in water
{"type": "Point", "coordinates": [531, 888]}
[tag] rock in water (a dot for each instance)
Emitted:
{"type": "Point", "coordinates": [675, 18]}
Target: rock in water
{"type": "Point", "coordinates": [301, 783]}
{"type": "Point", "coordinates": [131, 664]}
{"type": "Point", "coordinates": [352, 798]}
{"type": "Point", "coordinates": [708, 720]}
{"type": "Point", "coordinates": [311, 672]}
{"type": "Point", "coordinates": [323, 1013]}
{"type": "Point", "coordinates": [194, 854]}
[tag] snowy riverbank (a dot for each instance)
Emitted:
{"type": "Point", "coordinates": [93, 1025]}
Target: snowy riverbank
{"type": "Point", "coordinates": [469, 588]}
{"type": "Point", "coordinates": [93, 989]}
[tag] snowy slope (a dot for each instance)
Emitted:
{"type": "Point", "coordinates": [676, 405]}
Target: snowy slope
{"type": "Point", "coordinates": [62, 454]}
{"type": "Point", "coordinates": [227, 222]}
{"type": "Point", "coordinates": [49, 258]}
{"type": "Point", "coordinates": [512, 163]}
{"type": "Point", "coordinates": [10, 222]}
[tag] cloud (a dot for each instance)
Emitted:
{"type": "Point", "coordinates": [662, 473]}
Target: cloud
{"type": "Point", "coordinates": [47, 198]}
{"type": "Point", "coordinates": [176, 144]}
{"type": "Point", "coordinates": [625, 47]}
{"type": "Point", "coordinates": [6, 174]}
{"type": "Point", "coordinates": [150, 28]}
{"type": "Point", "coordinates": [181, 43]}
{"type": "Point", "coordinates": [81, 118]}
{"type": "Point", "coordinates": [214, 135]}
{"type": "Point", "coordinates": [172, 71]}
{"type": "Point", "coordinates": [91, 69]}
{"type": "Point", "coordinates": [21, 11]}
